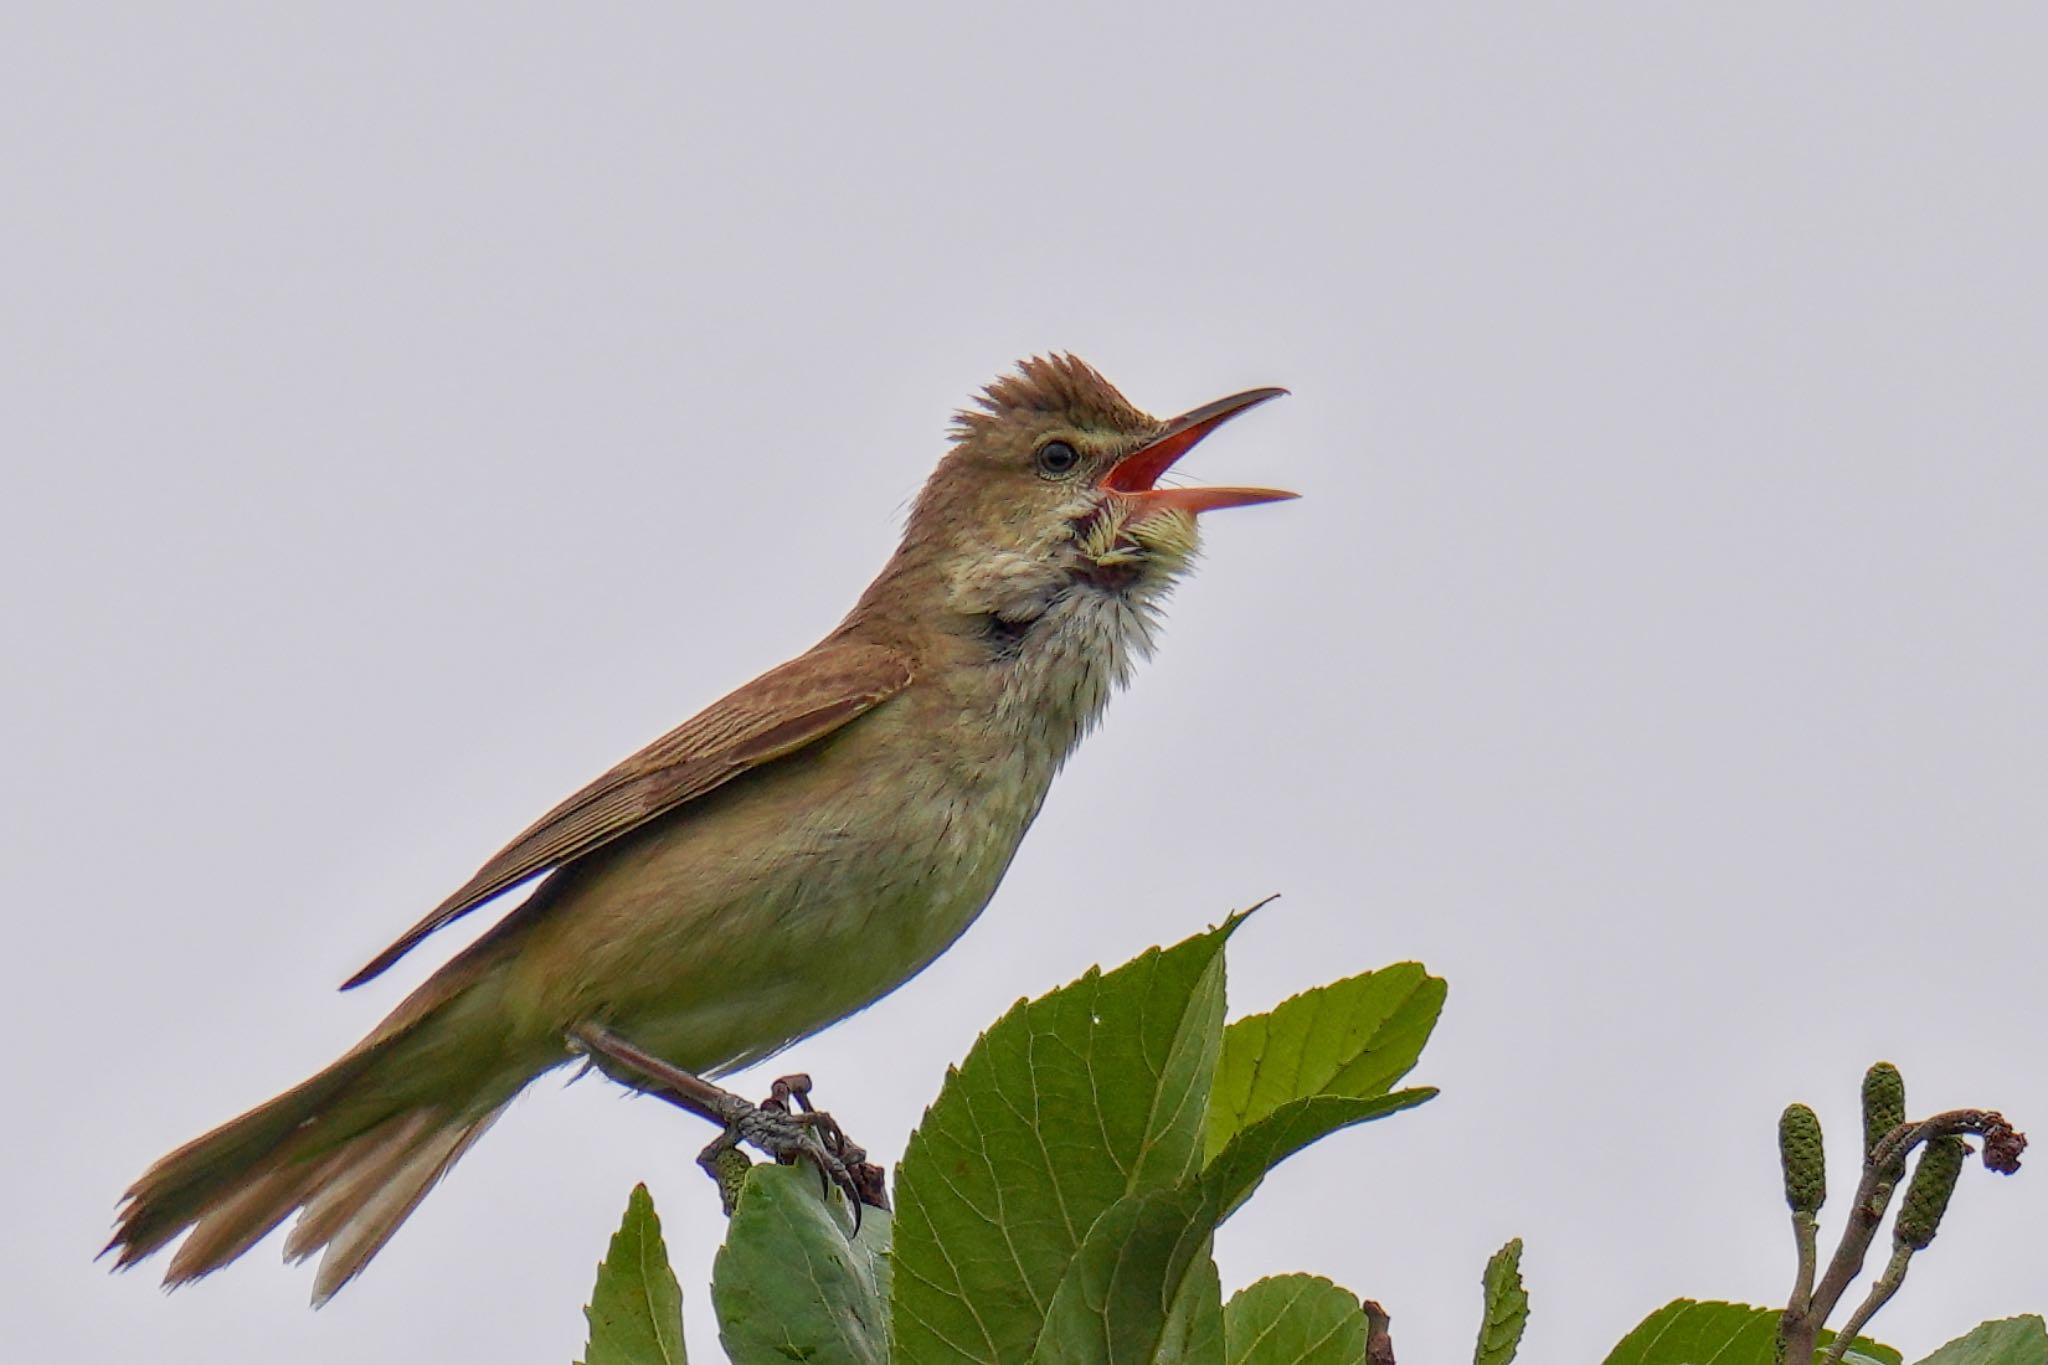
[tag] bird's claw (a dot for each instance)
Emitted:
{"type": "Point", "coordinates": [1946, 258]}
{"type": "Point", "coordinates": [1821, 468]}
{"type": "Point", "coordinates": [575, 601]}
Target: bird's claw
{"type": "Point", "coordinates": [784, 1137]}
{"type": "Point", "coordinates": [870, 1181]}
{"type": "Point", "coordinates": [786, 1127]}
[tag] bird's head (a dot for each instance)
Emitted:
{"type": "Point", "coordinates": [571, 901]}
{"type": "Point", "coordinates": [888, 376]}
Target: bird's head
{"type": "Point", "coordinates": [1052, 486]}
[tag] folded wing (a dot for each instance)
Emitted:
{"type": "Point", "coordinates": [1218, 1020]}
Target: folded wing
{"type": "Point", "coordinates": [776, 714]}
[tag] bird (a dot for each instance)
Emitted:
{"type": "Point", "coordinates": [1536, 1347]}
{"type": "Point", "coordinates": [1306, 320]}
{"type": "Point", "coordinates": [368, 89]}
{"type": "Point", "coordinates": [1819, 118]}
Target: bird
{"type": "Point", "coordinates": [783, 859]}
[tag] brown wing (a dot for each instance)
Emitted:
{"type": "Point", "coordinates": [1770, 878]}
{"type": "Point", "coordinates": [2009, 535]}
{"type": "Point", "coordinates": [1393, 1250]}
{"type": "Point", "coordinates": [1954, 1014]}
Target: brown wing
{"type": "Point", "coordinates": [777, 713]}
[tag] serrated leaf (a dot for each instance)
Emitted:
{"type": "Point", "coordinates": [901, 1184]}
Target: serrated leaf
{"type": "Point", "coordinates": [636, 1308]}
{"type": "Point", "coordinates": [1253, 1151]}
{"type": "Point", "coordinates": [2003, 1341]}
{"type": "Point", "coordinates": [1507, 1307]}
{"type": "Point", "coordinates": [1353, 1038]}
{"type": "Point", "coordinates": [788, 1285]}
{"type": "Point", "coordinates": [1067, 1105]}
{"type": "Point", "coordinates": [1294, 1320]}
{"type": "Point", "coordinates": [1687, 1333]}
{"type": "Point", "coordinates": [1115, 1304]}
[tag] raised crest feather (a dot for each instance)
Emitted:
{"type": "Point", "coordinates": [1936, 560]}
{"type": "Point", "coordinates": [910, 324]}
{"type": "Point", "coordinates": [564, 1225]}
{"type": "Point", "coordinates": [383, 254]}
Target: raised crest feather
{"type": "Point", "coordinates": [1059, 383]}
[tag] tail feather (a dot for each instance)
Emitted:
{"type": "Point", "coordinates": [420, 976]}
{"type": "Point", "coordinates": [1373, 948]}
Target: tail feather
{"type": "Point", "coordinates": [377, 1209]}
{"type": "Point", "coordinates": [353, 1151]}
{"type": "Point", "coordinates": [372, 1160]}
{"type": "Point", "coordinates": [225, 1165]}
{"type": "Point", "coordinates": [231, 1227]}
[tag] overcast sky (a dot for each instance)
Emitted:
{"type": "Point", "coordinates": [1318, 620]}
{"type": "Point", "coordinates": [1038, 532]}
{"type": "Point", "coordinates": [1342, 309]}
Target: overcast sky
{"type": "Point", "coordinates": [410, 410]}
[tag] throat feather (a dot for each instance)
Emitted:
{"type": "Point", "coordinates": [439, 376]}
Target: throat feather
{"type": "Point", "coordinates": [1064, 666]}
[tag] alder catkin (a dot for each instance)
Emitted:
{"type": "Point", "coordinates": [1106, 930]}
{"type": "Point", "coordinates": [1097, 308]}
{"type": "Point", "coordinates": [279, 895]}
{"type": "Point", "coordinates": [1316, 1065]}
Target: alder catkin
{"type": "Point", "coordinates": [1803, 1158]}
{"type": "Point", "coordinates": [1934, 1180]}
{"type": "Point", "coordinates": [1884, 1108]}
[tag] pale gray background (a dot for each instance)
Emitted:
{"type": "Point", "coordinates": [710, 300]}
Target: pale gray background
{"type": "Point", "coordinates": [409, 410]}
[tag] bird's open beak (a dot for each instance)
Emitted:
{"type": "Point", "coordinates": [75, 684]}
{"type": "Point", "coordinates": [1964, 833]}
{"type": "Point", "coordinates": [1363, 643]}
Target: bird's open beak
{"type": "Point", "coordinates": [1135, 474]}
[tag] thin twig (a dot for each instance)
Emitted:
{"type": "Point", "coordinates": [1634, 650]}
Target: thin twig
{"type": "Point", "coordinates": [1379, 1344]}
{"type": "Point", "coordinates": [1805, 1234]}
{"type": "Point", "coordinates": [1879, 1295]}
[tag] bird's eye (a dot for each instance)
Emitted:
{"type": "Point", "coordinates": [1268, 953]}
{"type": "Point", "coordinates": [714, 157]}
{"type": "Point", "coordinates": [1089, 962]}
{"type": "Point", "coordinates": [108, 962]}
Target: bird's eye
{"type": "Point", "coordinates": [1057, 459]}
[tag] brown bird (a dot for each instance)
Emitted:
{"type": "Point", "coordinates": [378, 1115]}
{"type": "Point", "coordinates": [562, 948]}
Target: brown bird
{"type": "Point", "coordinates": [785, 858]}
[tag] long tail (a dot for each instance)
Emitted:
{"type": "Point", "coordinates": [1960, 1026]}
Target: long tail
{"type": "Point", "coordinates": [353, 1150]}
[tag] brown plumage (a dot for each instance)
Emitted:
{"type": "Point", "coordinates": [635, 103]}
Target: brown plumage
{"type": "Point", "coordinates": [776, 714]}
{"type": "Point", "coordinates": [785, 858]}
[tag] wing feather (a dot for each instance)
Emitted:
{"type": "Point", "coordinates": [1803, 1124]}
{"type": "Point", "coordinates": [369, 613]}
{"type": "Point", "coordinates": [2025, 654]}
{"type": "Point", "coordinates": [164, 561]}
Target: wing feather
{"type": "Point", "coordinates": [776, 714]}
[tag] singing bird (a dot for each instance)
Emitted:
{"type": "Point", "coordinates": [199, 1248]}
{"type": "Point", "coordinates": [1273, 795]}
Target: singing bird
{"type": "Point", "coordinates": [778, 862]}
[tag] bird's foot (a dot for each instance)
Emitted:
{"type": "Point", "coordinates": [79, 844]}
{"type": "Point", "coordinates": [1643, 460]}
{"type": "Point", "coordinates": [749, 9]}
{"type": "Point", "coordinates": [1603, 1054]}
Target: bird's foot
{"type": "Point", "coordinates": [788, 1128]}
{"type": "Point", "coordinates": [784, 1126]}
{"type": "Point", "coordinates": [870, 1181]}
{"type": "Point", "coordinates": [787, 1137]}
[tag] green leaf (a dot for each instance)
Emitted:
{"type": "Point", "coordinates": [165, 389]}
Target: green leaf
{"type": "Point", "coordinates": [788, 1285]}
{"type": "Point", "coordinates": [1253, 1151]}
{"type": "Point", "coordinates": [1067, 1105]}
{"type": "Point", "coordinates": [2004, 1341]}
{"type": "Point", "coordinates": [1194, 1325]}
{"type": "Point", "coordinates": [636, 1309]}
{"type": "Point", "coordinates": [1056, 1202]}
{"type": "Point", "coordinates": [1293, 1320]}
{"type": "Point", "coordinates": [1352, 1038]}
{"type": "Point", "coordinates": [1507, 1308]}
{"type": "Point", "coordinates": [1687, 1333]}
{"type": "Point", "coordinates": [1116, 1304]}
